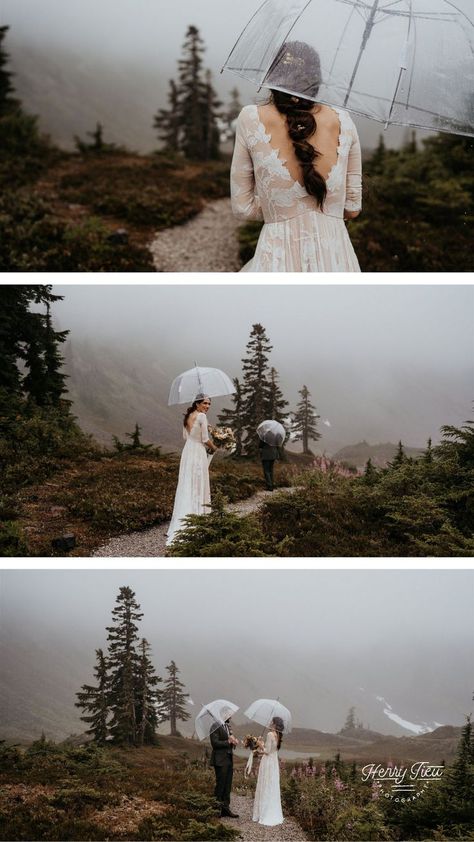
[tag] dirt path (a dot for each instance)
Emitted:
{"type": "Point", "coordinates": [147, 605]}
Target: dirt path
{"type": "Point", "coordinates": [253, 832]}
{"type": "Point", "coordinates": [207, 243]}
{"type": "Point", "coordinates": [152, 542]}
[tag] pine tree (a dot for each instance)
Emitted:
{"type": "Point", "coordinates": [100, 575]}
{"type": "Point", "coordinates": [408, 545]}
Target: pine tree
{"type": "Point", "coordinates": [211, 106]}
{"type": "Point", "coordinates": [350, 719]}
{"type": "Point", "coordinates": [7, 102]}
{"type": "Point", "coordinates": [174, 700]}
{"type": "Point", "coordinates": [461, 773]}
{"type": "Point", "coordinates": [123, 664]}
{"type": "Point", "coordinates": [256, 386]}
{"type": "Point", "coordinates": [234, 108]}
{"type": "Point", "coordinates": [276, 402]}
{"type": "Point", "coordinates": [428, 454]}
{"type": "Point", "coordinates": [55, 385]}
{"type": "Point", "coordinates": [233, 417]}
{"type": "Point", "coordinates": [305, 419]}
{"type": "Point", "coordinates": [370, 473]}
{"type": "Point", "coordinates": [192, 92]}
{"type": "Point", "coordinates": [167, 120]}
{"type": "Point", "coordinates": [148, 699]}
{"type": "Point", "coordinates": [399, 458]}
{"type": "Point", "coordinates": [94, 700]}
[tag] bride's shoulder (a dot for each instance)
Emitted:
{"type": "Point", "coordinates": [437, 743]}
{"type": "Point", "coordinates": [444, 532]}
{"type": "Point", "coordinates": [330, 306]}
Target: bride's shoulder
{"type": "Point", "coordinates": [248, 113]}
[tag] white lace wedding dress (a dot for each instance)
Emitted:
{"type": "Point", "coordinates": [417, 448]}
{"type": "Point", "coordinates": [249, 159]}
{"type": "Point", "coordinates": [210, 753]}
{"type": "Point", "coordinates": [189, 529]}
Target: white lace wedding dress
{"type": "Point", "coordinates": [297, 236]}
{"type": "Point", "coordinates": [193, 493]}
{"type": "Point", "coordinates": [267, 804]}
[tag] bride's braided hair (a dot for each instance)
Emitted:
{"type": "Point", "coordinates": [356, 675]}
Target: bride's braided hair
{"type": "Point", "coordinates": [302, 125]}
{"type": "Point", "coordinates": [297, 66]}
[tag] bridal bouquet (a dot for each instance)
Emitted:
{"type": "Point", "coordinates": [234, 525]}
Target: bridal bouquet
{"type": "Point", "coordinates": [255, 744]}
{"type": "Point", "coordinates": [223, 437]}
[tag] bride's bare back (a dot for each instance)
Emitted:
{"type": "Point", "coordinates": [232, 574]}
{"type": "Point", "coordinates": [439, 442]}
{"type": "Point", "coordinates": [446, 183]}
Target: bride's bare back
{"type": "Point", "coordinates": [325, 139]}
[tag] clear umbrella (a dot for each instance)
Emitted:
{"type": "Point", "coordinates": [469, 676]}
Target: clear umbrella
{"type": "Point", "coordinates": [212, 716]}
{"type": "Point", "coordinates": [408, 62]}
{"type": "Point", "coordinates": [272, 432]}
{"type": "Point", "coordinates": [264, 710]}
{"type": "Point", "coordinates": [199, 380]}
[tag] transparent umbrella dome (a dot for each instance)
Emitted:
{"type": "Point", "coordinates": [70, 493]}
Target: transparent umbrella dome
{"type": "Point", "coordinates": [212, 716]}
{"type": "Point", "coordinates": [407, 62]}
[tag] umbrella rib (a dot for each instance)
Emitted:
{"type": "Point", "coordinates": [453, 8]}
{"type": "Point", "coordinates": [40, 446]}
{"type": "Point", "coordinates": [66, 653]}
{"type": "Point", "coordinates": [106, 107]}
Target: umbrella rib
{"type": "Point", "coordinates": [365, 38]}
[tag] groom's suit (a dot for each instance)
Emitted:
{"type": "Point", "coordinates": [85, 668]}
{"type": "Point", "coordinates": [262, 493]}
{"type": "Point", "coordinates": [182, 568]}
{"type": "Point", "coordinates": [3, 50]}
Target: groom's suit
{"type": "Point", "coordinates": [222, 759]}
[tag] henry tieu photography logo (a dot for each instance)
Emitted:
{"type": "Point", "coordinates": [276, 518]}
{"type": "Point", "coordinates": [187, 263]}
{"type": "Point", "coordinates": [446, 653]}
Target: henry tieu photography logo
{"type": "Point", "coordinates": [401, 784]}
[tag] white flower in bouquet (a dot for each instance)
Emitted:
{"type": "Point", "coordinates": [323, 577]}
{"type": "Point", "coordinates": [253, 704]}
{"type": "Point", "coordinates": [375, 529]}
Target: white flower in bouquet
{"type": "Point", "coordinates": [223, 438]}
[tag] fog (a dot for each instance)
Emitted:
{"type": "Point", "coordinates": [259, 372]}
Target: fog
{"type": "Point", "coordinates": [110, 60]}
{"type": "Point", "coordinates": [383, 363]}
{"type": "Point", "coordinates": [321, 640]}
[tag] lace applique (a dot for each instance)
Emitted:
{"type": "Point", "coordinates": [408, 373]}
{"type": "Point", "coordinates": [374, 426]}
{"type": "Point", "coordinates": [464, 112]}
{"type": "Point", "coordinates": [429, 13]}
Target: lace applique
{"type": "Point", "coordinates": [258, 135]}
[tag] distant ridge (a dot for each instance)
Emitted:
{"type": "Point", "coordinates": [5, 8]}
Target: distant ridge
{"type": "Point", "coordinates": [381, 454]}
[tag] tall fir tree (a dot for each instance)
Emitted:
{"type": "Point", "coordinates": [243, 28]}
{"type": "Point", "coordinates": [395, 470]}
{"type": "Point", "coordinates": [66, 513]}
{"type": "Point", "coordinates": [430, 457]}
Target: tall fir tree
{"type": "Point", "coordinates": [123, 665]}
{"type": "Point", "coordinates": [234, 418]}
{"type": "Point", "coordinates": [370, 473]}
{"type": "Point", "coordinates": [399, 459]}
{"type": "Point", "coordinates": [211, 106]}
{"type": "Point", "coordinates": [305, 420]}
{"type": "Point", "coordinates": [276, 403]}
{"type": "Point", "coordinates": [148, 697]}
{"type": "Point", "coordinates": [192, 91]}
{"type": "Point", "coordinates": [95, 701]}
{"type": "Point", "coordinates": [168, 120]}
{"type": "Point", "coordinates": [8, 103]}
{"type": "Point", "coordinates": [255, 387]}
{"type": "Point", "coordinates": [234, 108]}
{"type": "Point", "coordinates": [174, 700]}
{"type": "Point", "coordinates": [55, 379]}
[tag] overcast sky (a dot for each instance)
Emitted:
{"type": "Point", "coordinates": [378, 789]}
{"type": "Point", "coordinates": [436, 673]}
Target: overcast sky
{"type": "Point", "coordinates": [382, 362]}
{"type": "Point", "coordinates": [316, 638]}
{"type": "Point", "coordinates": [128, 39]}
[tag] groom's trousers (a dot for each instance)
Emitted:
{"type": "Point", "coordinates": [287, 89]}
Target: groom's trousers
{"type": "Point", "coordinates": [223, 788]}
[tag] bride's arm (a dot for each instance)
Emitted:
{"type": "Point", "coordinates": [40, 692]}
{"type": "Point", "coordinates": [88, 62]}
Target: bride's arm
{"type": "Point", "coordinates": [205, 432]}
{"type": "Point", "coordinates": [353, 203]}
{"type": "Point", "coordinates": [245, 202]}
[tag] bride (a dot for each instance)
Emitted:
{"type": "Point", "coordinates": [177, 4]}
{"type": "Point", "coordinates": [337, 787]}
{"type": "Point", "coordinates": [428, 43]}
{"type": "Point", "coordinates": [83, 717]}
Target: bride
{"type": "Point", "coordinates": [297, 167]}
{"type": "Point", "coordinates": [193, 493]}
{"type": "Point", "coordinates": [267, 804]}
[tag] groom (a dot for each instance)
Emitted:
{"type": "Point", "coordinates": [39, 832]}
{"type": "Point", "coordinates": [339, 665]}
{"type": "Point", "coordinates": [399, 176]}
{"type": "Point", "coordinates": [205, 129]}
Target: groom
{"type": "Point", "coordinates": [223, 743]}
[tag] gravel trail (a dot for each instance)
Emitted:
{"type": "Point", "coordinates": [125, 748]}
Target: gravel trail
{"type": "Point", "coordinates": [207, 243]}
{"type": "Point", "coordinates": [152, 542]}
{"type": "Point", "coordinates": [251, 831]}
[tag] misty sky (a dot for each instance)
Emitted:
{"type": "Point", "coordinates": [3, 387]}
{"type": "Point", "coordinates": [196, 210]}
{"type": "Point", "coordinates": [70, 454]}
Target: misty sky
{"type": "Point", "coordinates": [136, 38]}
{"type": "Point", "coordinates": [382, 362]}
{"type": "Point", "coordinates": [311, 637]}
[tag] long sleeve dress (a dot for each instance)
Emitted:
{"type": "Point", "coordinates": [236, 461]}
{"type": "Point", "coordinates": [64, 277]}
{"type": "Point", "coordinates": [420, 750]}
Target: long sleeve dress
{"type": "Point", "coordinates": [297, 236]}
{"type": "Point", "coordinates": [267, 804]}
{"type": "Point", "coordinates": [193, 493]}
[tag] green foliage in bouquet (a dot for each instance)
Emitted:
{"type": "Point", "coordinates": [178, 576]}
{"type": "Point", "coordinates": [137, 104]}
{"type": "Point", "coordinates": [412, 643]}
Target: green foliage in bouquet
{"type": "Point", "coordinates": [219, 533]}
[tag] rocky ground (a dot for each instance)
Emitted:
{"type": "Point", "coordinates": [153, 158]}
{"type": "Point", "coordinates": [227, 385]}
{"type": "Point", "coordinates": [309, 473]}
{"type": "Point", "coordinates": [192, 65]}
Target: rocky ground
{"type": "Point", "coordinates": [207, 243]}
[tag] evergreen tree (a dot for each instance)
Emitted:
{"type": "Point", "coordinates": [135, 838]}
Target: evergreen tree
{"type": "Point", "coordinates": [174, 700]}
{"type": "Point", "coordinates": [167, 120]}
{"type": "Point", "coordinates": [256, 386]}
{"type": "Point", "coordinates": [276, 402]}
{"type": "Point", "coordinates": [234, 108]}
{"type": "Point", "coordinates": [29, 337]}
{"type": "Point", "coordinates": [399, 458]}
{"type": "Point", "coordinates": [233, 417]}
{"type": "Point", "coordinates": [305, 420]}
{"type": "Point", "coordinates": [94, 700]}
{"type": "Point", "coordinates": [123, 664]}
{"type": "Point", "coordinates": [428, 454]}
{"type": "Point", "coordinates": [350, 722]}
{"type": "Point", "coordinates": [211, 106]}
{"type": "Point", "coordinates": [460, 776]}
{"type": "Point", "coordinates": [193, 93]}
{"type": "Point", "coordinates": [55, 385]}
{"type": "Point", "coordinates": [7, 102]}
{"type": "Point", "coordinates": [370, 473]}
{"type": "Point", "coordinates": [148, 698]}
